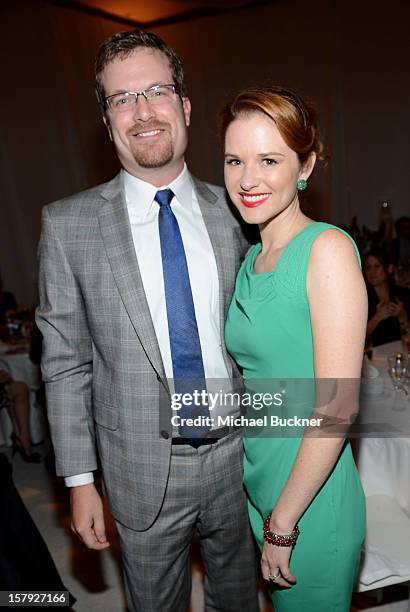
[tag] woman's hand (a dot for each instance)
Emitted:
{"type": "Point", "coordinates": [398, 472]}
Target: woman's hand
{"type": "Point", "coordinates": [387, 309]}
{"type": "Point", "coordinates": [395, 308]}
{"type": "Point", "coordinates": [274, 559]}
{"type": "Point", "coordinates": [384, 310]}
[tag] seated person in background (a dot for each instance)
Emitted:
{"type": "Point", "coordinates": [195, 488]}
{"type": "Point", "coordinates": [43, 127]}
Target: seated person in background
{"type": "Point", "coordinates": [7, 302]}
{"type": "Point", "coordinates": [389, 305]}
{"type": "Point", "coordinates": [25, 562]}
{"type": "Point", "coordinates": [14, 396]}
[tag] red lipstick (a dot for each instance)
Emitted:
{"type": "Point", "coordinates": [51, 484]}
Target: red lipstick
{"type": "Point", "coordinates": [252, 200]}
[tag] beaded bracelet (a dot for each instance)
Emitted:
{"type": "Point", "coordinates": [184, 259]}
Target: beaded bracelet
{"type": "Point", "coordinates": [288, 539]}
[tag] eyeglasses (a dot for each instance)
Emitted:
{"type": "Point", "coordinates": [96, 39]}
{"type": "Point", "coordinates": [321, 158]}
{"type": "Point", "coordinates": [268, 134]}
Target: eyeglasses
{"type": "Point", "coordinates": [156, 95]}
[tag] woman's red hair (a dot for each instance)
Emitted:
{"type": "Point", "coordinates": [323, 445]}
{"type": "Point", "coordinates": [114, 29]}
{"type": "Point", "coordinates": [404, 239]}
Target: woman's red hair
{"type": "Point", "coordinates": [294, 117]}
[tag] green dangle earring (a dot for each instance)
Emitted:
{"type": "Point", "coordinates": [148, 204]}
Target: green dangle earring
{"type": "Point", "coordinates": [301, 184]}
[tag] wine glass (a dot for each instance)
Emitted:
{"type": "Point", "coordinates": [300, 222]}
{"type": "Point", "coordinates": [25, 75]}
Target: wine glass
{"type": "Point", "coordinates": [397, 372]}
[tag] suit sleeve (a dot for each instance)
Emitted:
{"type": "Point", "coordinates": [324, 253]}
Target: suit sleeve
{"type": "Point", "coordinates": [67, 353]}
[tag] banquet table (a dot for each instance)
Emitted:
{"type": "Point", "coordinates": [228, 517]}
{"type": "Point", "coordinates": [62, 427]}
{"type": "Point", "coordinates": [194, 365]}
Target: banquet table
{"type": "Point", "coordinates": [383, 457]}
{"type": "Point", "coordinates": [16, 361]}
{"type": "Point", "coordinates": [382, 454]}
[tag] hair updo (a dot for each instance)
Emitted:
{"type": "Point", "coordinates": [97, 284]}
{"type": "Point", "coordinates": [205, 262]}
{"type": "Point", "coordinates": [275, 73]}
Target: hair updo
{"type": "Point", "coordinates": [294, 117]}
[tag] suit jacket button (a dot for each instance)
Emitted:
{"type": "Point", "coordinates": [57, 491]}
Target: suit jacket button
{"type": "Point", "coordinates": [165, 434]}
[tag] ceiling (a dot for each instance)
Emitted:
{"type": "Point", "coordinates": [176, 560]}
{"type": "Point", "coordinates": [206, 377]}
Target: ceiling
{"type": "Point", "coordinates": [156, 12]}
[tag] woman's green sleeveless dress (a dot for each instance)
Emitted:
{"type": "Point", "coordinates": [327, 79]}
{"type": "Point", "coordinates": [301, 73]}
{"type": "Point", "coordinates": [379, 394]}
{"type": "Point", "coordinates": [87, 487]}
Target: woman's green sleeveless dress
{"type": "Point", "coordinates": [268, 332]}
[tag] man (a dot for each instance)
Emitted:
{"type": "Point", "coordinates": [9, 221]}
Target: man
{"type": "Point", "coordinates": [134, 292]}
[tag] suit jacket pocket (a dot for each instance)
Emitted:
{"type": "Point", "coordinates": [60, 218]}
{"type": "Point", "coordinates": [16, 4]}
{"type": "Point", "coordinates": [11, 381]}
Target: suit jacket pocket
{"type": "Point", "coordinates": [106, 415]}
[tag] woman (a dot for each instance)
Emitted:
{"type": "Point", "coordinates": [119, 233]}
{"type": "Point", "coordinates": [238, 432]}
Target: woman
{"type": "Point", "coordinates": [298, 312]}
{"type": "Point", "coordinates": [388, 304]}
{"type": "Point", "coordinates": [14, 396]}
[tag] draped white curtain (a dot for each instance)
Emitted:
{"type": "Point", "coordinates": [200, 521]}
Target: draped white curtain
{"type": "Point", "coordinates": [351, 58]}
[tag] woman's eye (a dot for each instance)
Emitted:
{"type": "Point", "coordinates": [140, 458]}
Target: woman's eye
{"type": "Point", "coordinates": [232, 162]}
{"type": "Point", "coordinates": [269, 162]}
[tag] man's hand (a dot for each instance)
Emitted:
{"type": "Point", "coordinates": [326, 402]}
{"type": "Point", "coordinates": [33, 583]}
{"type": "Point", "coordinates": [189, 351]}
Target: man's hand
{"type": "Point", "coordinates": [87, 518]}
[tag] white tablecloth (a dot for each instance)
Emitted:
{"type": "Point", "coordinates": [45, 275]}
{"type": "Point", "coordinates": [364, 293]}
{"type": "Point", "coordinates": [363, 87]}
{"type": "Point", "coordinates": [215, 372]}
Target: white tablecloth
{"type": "Point", "coordinates": [384, 459]}
{"type": "Point", "coordinates": [384, 466]}
{"type": "Point", "coordinates": [383, 462]}
{"type": "Point", "coordinates": [20, 367]}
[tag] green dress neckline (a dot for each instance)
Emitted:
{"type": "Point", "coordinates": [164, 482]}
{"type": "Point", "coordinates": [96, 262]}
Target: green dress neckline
{"type": "Point", "coordinates": [258, 248]}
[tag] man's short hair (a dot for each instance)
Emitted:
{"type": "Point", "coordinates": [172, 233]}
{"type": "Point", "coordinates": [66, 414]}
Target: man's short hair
{"type": "Point", "coordinates": [123, 44]}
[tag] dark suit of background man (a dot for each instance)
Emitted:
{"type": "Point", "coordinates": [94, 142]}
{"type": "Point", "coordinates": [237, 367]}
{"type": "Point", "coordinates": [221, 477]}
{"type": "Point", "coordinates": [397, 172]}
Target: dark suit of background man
{"type": "Point", "coordinates": [108, 317]}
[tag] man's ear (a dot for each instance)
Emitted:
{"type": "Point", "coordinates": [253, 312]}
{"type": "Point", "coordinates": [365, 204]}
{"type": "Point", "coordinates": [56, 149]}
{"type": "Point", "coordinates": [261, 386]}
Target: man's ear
{"type": "Point", "coordinates": [108, 126]}
{"type": "Point", "coordinates": [186, 105]}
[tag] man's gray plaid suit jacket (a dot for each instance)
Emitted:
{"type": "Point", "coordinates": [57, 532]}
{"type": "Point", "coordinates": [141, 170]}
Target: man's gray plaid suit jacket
{"type": "Point", "coordinates": [101, 361]}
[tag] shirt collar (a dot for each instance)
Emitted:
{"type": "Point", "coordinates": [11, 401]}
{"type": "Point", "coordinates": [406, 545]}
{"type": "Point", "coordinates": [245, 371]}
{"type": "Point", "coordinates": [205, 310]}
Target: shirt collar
{"type": "Point", "coordinates": [140, 195]}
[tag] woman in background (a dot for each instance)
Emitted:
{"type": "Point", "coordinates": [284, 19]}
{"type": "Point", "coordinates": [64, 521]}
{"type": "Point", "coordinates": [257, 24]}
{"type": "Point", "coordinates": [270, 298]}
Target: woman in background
{"type": "Point", "coordinates": [14, 397]}
{"type": "Point", "coordinates": [389, 305]}
{"type": "Point", "coordinates": [298, 312]}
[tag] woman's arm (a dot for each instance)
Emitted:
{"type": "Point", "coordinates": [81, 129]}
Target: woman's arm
{"type": "Point", "coordinates": [378, 316]}
{"type": "Point", "coordinates": [338, 307]}
{"type": "Point", "coordinates": [384, 310]}
{"type": "Point", "coordinates": [403, 316]}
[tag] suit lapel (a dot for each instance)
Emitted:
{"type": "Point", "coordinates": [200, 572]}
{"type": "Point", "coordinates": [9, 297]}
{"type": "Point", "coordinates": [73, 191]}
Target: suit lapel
{"type": "Point", "coordinates": [116, 233]}
{"type": "Point", "coordinates": [221, 235]}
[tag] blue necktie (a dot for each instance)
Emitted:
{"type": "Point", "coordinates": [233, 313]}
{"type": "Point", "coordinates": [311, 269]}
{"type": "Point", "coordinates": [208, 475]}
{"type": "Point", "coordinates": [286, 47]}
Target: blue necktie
{"type": "Point", "coordinates": [187, 364]}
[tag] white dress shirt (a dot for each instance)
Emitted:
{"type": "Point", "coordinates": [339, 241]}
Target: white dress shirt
{"type": "Point", "coordinates": [143, 215]}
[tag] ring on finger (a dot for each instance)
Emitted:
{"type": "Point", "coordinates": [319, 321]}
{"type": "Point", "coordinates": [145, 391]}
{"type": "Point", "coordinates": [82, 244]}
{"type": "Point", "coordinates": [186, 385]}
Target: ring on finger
{"type": "Point", "coordinates": [272, 577]}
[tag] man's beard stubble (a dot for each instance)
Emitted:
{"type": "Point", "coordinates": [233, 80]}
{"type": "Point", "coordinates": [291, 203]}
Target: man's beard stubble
{"type": "Point", "coordinates": [154, 155]}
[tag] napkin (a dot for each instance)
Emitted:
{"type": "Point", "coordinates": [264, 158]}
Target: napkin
{"type": "Point", "coordinates": [372, 382]}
